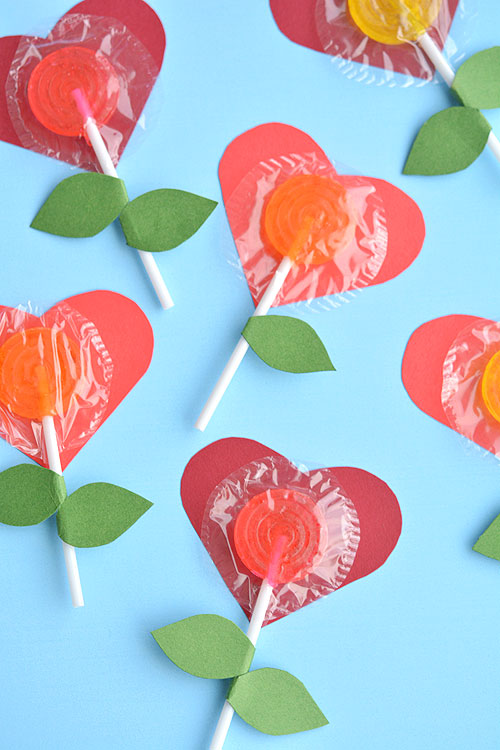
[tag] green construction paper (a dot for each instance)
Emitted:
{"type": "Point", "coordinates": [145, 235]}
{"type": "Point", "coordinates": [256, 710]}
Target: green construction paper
{"type": "Point", "coordinates": [99, 513]}
{"type": "Point", "coordinates": [488, 543]}
{"type": "Point", "coordinates": [477, 81]}
{"type": "Point", "coordinates": [162, 219]}
{"type": "Point", "coordinates": [448, 142]}
{"type": "Point", "coordinates": [274, 702]}
{"type": "Point", "coordinates": [82, 205]}
{"type": "Point", "coordinates": [287, 344]}
{"type": "Point", "coordinates": [206, 646]}
{"type": "Point", "coordinates": [29, 494]}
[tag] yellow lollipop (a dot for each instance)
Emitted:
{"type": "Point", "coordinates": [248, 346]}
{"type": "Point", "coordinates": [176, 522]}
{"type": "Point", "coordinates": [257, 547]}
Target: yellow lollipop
{"type": "Point", "coordinates": [394, 21]}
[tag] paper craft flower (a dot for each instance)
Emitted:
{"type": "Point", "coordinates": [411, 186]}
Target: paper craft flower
{"type": "Point", "coordinates": [61, 376]}
{"type": "Point", "coordinates": [77, 96]}
{"type": "Point", "coordinates": [451, 371]}
{"type": "Point", "coordinates": [332, 526]}
{"type": "Point", "coordinates": [303, 232]}
{"type": "Point", "coordinates": [327, 26]}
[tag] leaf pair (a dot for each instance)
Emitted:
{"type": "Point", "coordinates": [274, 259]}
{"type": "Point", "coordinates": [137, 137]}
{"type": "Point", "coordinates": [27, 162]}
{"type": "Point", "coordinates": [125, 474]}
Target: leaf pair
{"type": "Point", "coordinates": [452, 139]}
{"type": "Point", "coordinates": [94, 515]}
{"type": "Point", "coordinates": [270, 700]}
{"type": "Point", "coordinates": [286, 343]}
{"type": "Point", "coordinates": [84, 204]}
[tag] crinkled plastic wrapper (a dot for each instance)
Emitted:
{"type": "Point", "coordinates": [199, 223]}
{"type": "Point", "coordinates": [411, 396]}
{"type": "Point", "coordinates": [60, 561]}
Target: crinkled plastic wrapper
{"type": "Point", "coordinates": [321, 487]}
{"type": "Point", "coordinates": [132, 63]}
{"type": "Point", "coordinates": [353, 267]}
{"type": "Point", "coordinates": [360, 57]}
{"type": "Point", "coordinates": [462, 377]}
{"type": "Point", "coordinates": [76, 369]}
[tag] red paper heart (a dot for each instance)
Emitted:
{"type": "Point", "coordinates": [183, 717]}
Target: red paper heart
{"type": "Point", "coordinates": [376, 505]}
{"type": "Point", "coordinates": [404, 220]}
{"type": "Point", "coordinates": [423, 361]}
{"type": "Point", "coordinates": [296, 19]}
{"type": "Point", "coordinates": [140, 20]}
{"type": "Point", "coordinates": [127, 336]}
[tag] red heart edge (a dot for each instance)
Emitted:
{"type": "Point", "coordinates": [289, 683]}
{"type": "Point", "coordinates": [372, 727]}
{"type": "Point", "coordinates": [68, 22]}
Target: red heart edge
{"type": "Point", "coordinates": [136, 15]}
{"type": "Point", "coordinates": [376, 505]}
{"type": "Point", "coordinates": [126, 334]}
{"type": "Point", "coordinates": [405, 222]}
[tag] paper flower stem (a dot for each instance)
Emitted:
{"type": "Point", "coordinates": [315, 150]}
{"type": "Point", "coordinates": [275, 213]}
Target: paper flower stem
{"type": "Point", "coordinates": [253, 632]}
{"type": "Point", "coordinates": [241, 348]}
{"type": "Point", "coordinates": [448, 74]}
{"type": "Point", "coordinates": [108, 168]}
{"type": "Point", "coordinates": [54, 461]}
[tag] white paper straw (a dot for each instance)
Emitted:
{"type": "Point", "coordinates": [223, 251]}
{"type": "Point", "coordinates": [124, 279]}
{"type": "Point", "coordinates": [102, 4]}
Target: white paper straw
{"type": "Point", "coordinates": [241, 348]}
{"type": "Point", "coordinates": [108, 168]}
{"type": "Point", "coordinates": [448, 74]}
{"type": "Point", "coordinates": [54, 461]}
{"type": "Point", "coordinates": [253, 632]}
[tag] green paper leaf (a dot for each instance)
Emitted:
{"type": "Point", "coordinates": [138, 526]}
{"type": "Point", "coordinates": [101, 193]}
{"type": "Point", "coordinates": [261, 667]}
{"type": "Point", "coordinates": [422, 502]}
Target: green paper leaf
{"type": "Point", "coordinates": [29, 494]}
{"type": "Point", "coordinates": [287, 344]}
{"type": "Point", "coordinates": [99, 513]}
{"type": "Point", "coordinates": [448, 142]}
{"type": "Point", "coordinates": [206, 646]}
{"type": "Point", "coordinates": [82, 205]}
{"type": "Point", "coordinates": [274, 702]}
{"type": "Point", "coordinates": [488, 543]}
{"type": "Point", "coordinates": [477, 81]}
{"type": "Point", "coordinates": [162, 219]}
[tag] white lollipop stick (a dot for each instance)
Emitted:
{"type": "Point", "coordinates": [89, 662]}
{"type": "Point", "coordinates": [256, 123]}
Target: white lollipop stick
{"type": "Point", "coordinates": [54, 461]}
{"type": "Point", "coordinates": [108, 168]}
{"type": "Point", "coordinates": [253, 632]}
{"type": "Point", "coordinates": [448, 74]}
{"type": "Point", "coordinates": [241, 348]}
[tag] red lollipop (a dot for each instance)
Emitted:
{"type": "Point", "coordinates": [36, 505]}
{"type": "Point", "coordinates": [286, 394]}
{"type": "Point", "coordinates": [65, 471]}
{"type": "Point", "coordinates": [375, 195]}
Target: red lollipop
{"type": "Point", "coordinates": [57, 76]}
{"type": "Point", "coordinates": [278, 535]}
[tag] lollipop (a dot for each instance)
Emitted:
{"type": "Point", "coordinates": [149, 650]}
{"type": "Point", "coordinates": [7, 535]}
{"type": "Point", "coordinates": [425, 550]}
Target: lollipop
{"type": "Point", "coordinates": [279, 535]}
{"type": "Point", "coordinates": [308, 219]}
{"type": "Point", "coordinates": [72, 92]}
{"type": "Point", "coordinates": [40, 370]}
{"type": "Point", "coordinates": [402, 21]}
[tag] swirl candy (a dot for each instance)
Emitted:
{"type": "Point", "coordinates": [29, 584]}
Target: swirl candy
{"type": "Point", "coordinates": [308, 220]}
{"type": "Point", "coordinates": [57, 76]}
{"type": "Point", "coordinates": [490, 386]}
{"type": "Point", "coordinates": [39, 372]}
{"type": "Point", "coordinates": [394, 21]}
{"type": "Point", "coordinates": [283, 519]}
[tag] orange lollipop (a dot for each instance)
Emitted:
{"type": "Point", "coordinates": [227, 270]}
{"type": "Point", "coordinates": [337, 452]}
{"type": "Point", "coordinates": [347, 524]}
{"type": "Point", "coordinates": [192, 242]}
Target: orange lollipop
{"type": "Point", "coordinates": [490, 386]}
{"type": "Point", "coordinates": [39, 371]}
{"type": "Point", "coordinates": [309, 219]}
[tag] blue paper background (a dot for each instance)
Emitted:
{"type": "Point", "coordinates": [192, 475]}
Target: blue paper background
{"type": "Point", "coordinates": [408, 657]}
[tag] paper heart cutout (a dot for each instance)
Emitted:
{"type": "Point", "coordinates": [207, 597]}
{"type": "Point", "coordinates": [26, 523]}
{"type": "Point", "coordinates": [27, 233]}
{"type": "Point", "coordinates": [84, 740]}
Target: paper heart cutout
{"type": "Point", "coordinates": [141, 21]}
{"type": "Point", "coordinates": [404, 220]}
{"type": "Point", "coordinates": [127, 336]}
{"type": "Point", "coordinates": [423, 361]}
{"type": "Point", "coordinates": [376, 505]}
{"type": "Point", "coordinates": [296, 19]}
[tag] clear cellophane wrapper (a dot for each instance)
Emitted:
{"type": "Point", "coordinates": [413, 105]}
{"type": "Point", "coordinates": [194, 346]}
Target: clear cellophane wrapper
{"type": "Point", "coordinates": [132, 64]}
{"type": "Point", "coordinates": [361, 58]}
{"type": "Point", "coordinates": [461, 395]}
{"type": "Point", "coordinates": [85, 409]}
{"type": "Point", "coordinates": [318, 287]}
{"type": "Point", "coordinates": [341, 532]}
